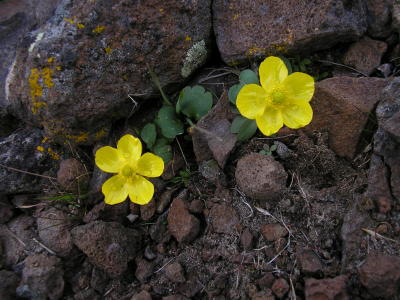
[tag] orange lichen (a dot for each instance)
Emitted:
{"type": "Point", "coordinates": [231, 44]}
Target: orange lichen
{"type": "Point", "coordinates": [99, 29]}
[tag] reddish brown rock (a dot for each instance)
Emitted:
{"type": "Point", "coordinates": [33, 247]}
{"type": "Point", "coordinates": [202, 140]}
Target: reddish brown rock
{"type": "Point", "coordinates": [108, 213]}
{"type": "Point", "coordinates": [42, 278]}
{"type": "Point", "coordinates": [72, 176]}
{"type": "Point", "coordinates": [379, 17]}
{"type": "Point", "coordinates": [280, 287]}
{"type": "Point", "coordinates": [108, 245]}
{"type": "Point", "coordinates": [164, 200]}
{"type": "Point", "coordinates": [247, 239]}
{"type": "Point", "coordinates": [196, 206]}
{"type": "Point", "coordinates": [144, 269]}
{"type": "Point", "coordinates": [273, 232]}
{"type": "Point", "coordinates": [309, 262]}
{"type": "Point", "coordinates": [260, 28]}
{"type": "Point", "coordinates": [6, 210]}
{"type": "Point", "coordinates": [147, 211]}
{"type": "Point", "coordinates": [74, 75]}
{"type": "Point", "coordinates": [260, 176]}
{"type": "Point", "coordinates": [329, 288]}
{"type": "Point", "coordinates": [183, 226]}
{"type": "Point", "coordinates": [175, 272]}
{"type": "Point", "coordinates": [175, 297]}
{"type": "Point", "coordinates": [8, 284]}
{"type": "Point", "coordinates": [380, 274]}
{"type": "Point", "coordinates": [341, 107]}
{"type": "Point", "coordinates": [143, 295]}
{"type": "Point", "coordinates": [365, 55]}
{"type": "Point", "coordinates": [54, 230]}
{"type": "Point", "coordinates": [224, 218]}
{"type": "Point", "coordinates": [266, 281]}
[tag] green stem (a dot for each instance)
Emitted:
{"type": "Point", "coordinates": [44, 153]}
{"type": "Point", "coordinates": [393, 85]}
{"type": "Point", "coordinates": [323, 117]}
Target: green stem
{"type": "Point", "coordinates": [156, 81]}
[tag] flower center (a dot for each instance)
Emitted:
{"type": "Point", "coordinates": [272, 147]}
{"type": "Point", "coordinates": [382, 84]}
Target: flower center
{"type": "Point", "coordinates": [127, 171]}
{"type": "Point", "coordinates": [278, 96]}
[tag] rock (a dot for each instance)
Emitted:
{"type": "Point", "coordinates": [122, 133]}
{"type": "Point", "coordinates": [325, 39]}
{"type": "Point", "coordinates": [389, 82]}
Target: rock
{"type": "Point", "coordinates": [280, 287]}
{"type": "Point", "coordinates": [54, 230]}
{"type": "Point", "coordinates": [164, 200]}
{"type": "Point", "coordinates": [328, 288]}
{"type": "Point", "coordinates": [273, 232]}
{"type": "Point", "coordinates": [17, 238]}
{"type": "Point", "coordinates": [201, 137]}
{"type": "Point", "coordinates": [17, 17]}
{"type": "Point", "coordinates": [143, 295]}
{"type": "Point", "coordinates": [159, 231]}
{"type": "Point", "coordinates": [247, 239]}
{"type": "Point", "coordinates": [87, 294]}
{"type": "Point", "coordinates": [21, 151]}
{"type": "Point", "coordinates": [262, 28]}
{"type": "Point", "coordinates": [266, 281]}
{"type": "Point", "coordinates": [99, 280]}
{"type": "Point", "coordinates": [341, 107]}
{"type": "Point", "coordinates": [224, 219]}
{"type": "Point", "coordinates": [221, 141]}
{"type": "Point", "coordinates": [282, 150]}
{"type": "Point", "coordinates": [175, 272]}
{"type": "Point", "coordinates": [149, 253]}
{"type": "Point", "coordinates": [72, 176]}
{"type": "Point", "coordinates": [144, 269]}
{"type": "Point", "coordinates": [396, 17]}
{"type": "Point", "coordinates": [74, 75]}
{"type": "Point", "coordinates": [380, 274]}
{"type": "Point", "coordinates": [260, 176]}
{"type": "Point", "coordinates": [175, 297]}
{"type": "Point", "coordinates": [365, 55]}
{"type": "Point", "coordinates": [378, 184]}
{"type": "Point", "coordinates": [108, 245]}
{"type": "Point", "coordinates": [196, 206]}
{"type": "Point", "coordinates": [108, 213]}
{"type": "Point", "coordinates": [8, 284]}
{"type": "Point", "coordinates": [147, 211]}
{"type": "Point", "coordinates": [352, 236]}
{"type": "Point", "coordinates": [309, 262]}
{"type": "Point", "coordinates": [210, 170]}
{"type": "Point", "coordinates": [191, 286]}
{"type": "Point", "coordinates": [378, 18]}
{"type": "Point", "coordinates": [173, 166]}
{"type": "Point", "coordinates": [42, 278]}
{"type": "Point", "coordinates": [6, 210]}
{"type": "Point", "coordinates": [183, 226]}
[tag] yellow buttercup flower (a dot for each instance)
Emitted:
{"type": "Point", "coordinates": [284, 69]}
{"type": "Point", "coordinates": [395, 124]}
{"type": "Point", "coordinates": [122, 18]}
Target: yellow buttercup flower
{"type": "Point", "coordinates": [281, 99]}
{"type": "Point", "coordinates": [127, 160]}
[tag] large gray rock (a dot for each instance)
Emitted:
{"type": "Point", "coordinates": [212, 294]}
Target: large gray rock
{"type": "Point", "coordinates": [74, 74]}
{"type": "Point", "coordinates": [108, 245]}
{"type": "Point", "coordinates": [18, 154]}
{"type": "Point", "coordinates": [379, 18]}
{"type": "Point", "coordinates": [247, 29]}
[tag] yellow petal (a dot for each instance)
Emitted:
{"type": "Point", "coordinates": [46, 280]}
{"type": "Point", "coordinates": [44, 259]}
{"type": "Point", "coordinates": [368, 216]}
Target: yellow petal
{"type": "Point", "coordinates": [115, 190]}
{"type": "Point", "coordinates": [130, 147]}
{"type": "Point", "coordinates": [251, 101]}
{"type": "Point", "coordinates": [300, 86]}
{"type": "Point", "coordinates": [150, 165]}
{"type": "Point", "coordinates": [271, 121]}
{"type": "Point", "coordinates": [272, 71]}
{"type": "Point", "coordinates": [140, 190]}
{"type": "Point", "coordinates": [109, 159]}
{"type": "Point", "coordinates": [297, 114]}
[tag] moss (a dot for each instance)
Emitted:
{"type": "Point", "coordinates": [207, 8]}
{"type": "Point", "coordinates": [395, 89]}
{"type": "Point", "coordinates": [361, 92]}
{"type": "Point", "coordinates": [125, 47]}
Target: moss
{"type": "Point", "coordinates": [195, 57]}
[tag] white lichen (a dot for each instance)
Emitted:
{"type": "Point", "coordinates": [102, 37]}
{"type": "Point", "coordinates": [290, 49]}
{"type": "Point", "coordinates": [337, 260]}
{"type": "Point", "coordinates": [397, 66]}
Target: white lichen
{"type": "Point", "coordinates": [38, 38]}
{"type": "Point", "coordinates": [195, 57]}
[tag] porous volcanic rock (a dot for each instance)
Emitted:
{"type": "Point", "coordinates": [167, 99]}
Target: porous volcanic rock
{"type": "Point", "coordinates": [380, 274]}
{"type": "Point", "coordinates": [365, 55]}
{"type": "Point", "coordinates": [108, 245]}
{"type": "Point", "coordinates": [6, 210]}
{"type": "Point", "coordinates": [273, 232]}
{"type": "Point", "coordinates": [341, 107]}
{"type": "Point", "coordinates": [379, 18]}
{"type": "Point", "coordinates": [19, 151]}
{"type": "Point", "coordinates": [183, 225]}
{"type": "Point", "coordinates": [72, 175]}
{"type": "Point", "coordinates": [260, 176]}
{"type": "Point", "coordinates": [74, 74]}
{"type": "Point", "coordinates": [54, 230]}
{"type": "Point", "coordinates": [247, 29]}
{"type": "Point", "coordinates": [8, 284]}
{"type": "Point", "coordinates": [224, 219]}
{"type": "Point", "coordinates": [42, 278]}
{"type": "Point", "coordinates": [328, 288]}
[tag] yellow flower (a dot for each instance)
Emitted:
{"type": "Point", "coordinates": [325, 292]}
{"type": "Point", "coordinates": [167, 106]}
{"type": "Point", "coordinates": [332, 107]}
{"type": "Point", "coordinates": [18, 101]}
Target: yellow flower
{"type": "Point", "coordinates": [127, 160]}
{"type": "Point", "coordinates": [281, 99]}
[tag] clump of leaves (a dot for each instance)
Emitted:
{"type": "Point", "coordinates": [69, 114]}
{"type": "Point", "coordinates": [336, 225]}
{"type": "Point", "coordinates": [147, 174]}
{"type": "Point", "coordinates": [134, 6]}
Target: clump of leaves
{"type": "Point", "coordinates": [267, 150]}
{"type": "Point", "coordinates": [183, 178]}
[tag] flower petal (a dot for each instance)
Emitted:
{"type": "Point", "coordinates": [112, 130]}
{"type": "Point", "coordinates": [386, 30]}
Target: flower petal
{"type": "Point", "coordinates": [297, 114]}
{"type": "Point", "coordinates": [109, 159]}
{"type": "Point", "coordinates": [130, 147]}
{"type": "Point", "coordinates": [150, 165]}
{"type": "Point", "coordinates": [300, 86]}
{"type": "Point", "coordinates": [251, 101]}
{"type": "Point", "coordinates": [115, 190]}
{"type": "Point", "coordinates": [272, 71]}
{"type": "Point", "coordinates": [270, 122]}
{"type": "Point", "coordinates": [140, 190]}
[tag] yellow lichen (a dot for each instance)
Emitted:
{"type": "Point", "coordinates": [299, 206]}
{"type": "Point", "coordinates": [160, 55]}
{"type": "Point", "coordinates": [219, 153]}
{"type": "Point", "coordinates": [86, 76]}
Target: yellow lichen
{"type": "Point", "coordinates": [35, 87]}
{"type": "Point", "coordinates": [58, 68]}
{"type": "Point", "coordinates": [54, 155]}
{"type": "Point", "coordinates": [161, 10]}
{"type": "Point", "coordinates": [50, 59]}
{"type": "Point", "coordinates": [45, 139]}
{"type": "Point", "coordinates": [80, 25]}
{"type": "Point", "coordinates": [100, 134]}
{"type": "Point", "coordinates": [235, 17]}
{"type": "Point", "coordinates": [40, 148]}
{"type": "Point", "coordinates": [99, 29]}
{"type": "Point", "coordinates": [188, 38]}
{"type": "Point", "coordinates": [71, 21]}
{"type": "Point", "coordinates": [82, 137]}
{"type": "Point", "coordinates": [108, 50]}
{"type": "Point", "coordinates": [47, 80]}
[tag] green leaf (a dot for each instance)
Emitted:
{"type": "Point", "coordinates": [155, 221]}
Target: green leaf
{"type": "Point", "coordinates": [164, 151]}
{"type": "Point", "coordinates": [234, 91]}
{"type": "Point", "coordinates": [306, 61]}
{"type": "Point", "coordinates": [194, 102]}
{"type": "Point", "coordinates": [248, 76]}
{"type": "Point", "coordinates": [168, 122]}
{"type": "Point", "coordinates": [287, 63]}
{"type": "Point", "coordinates": [149, 134]}
{"type": "Point", "coordinates": [237, 123]}
{"type": "Point", "coordinates": [247, 130]}
{"type": "Point", "coordinates": [273, 148]}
